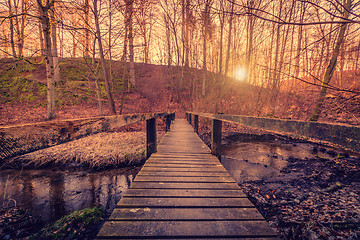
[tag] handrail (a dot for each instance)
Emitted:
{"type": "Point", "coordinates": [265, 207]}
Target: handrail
{"type": "Point", "coordinates": [21, 139]}
{"type": "Point", "coordinates": [338, 135]}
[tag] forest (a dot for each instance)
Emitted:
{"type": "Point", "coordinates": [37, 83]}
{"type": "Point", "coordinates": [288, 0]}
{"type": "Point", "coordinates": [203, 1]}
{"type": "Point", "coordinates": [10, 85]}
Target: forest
{"type": "Point", "coordinates": [293, 59]}
{"type": "Point", "coordinates": [88, 94]}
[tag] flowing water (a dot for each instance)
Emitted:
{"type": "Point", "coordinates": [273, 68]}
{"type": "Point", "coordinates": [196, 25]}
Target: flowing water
{"type": "Point", "coordinates": [52, 194]}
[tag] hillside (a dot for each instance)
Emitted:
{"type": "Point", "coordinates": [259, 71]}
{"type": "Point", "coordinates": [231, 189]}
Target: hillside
{"type": "Point", "coordinates": [161, 88]}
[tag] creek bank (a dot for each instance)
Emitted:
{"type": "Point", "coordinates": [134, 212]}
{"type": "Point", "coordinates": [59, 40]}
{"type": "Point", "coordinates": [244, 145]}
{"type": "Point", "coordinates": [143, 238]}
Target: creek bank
{"type": "Point", "coordinates": [81, 224]}
{"type": "Point", "coordinates": [98, 151]}
{"type": "Point", "coordinates": [88, 172]}
{"type": "Point", "coordinates": [314, 197]}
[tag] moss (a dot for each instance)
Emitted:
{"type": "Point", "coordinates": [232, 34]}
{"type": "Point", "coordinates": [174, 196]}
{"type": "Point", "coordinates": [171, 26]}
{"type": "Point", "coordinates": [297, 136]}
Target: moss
{"type": "Point", "coordinates": [18, 88]}
{"type": "Point", "coordinates": [73, 226]}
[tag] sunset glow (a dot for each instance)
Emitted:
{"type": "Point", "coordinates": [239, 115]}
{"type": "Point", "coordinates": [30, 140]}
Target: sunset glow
{"type": "Point", "coordinates": [241, 73]}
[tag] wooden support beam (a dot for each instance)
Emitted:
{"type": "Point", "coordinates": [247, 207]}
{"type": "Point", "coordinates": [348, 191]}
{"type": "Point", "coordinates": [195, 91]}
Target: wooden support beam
{"type": "Point", "coordinates": [336, 135]}
{"type": "Point", "coordinates": [21, 139]}
{"type": "Point", "coordinates": [167, 122]}
{"type": "Point", "coordinates": [216, 126]}
{"type": "Point", "coordinates": [196, 123]}
{"type": "Point", "coordinates": [150, 137]}
{"type": "Point", "coordinates": [189, 118]}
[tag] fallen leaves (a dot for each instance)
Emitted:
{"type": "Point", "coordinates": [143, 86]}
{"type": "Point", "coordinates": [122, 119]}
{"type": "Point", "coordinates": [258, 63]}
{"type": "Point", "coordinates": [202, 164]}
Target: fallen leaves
{"type": "Point", "coordinates": [316, 199]}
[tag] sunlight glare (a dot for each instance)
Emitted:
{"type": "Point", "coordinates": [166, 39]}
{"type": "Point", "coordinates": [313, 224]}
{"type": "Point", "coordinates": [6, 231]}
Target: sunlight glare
{"type": "Point", "coordinates": [241, 73]}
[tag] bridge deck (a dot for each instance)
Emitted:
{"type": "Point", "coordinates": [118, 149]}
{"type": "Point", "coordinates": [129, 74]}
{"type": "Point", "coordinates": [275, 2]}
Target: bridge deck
{"type": "Point", "coordinates": [183, 192]}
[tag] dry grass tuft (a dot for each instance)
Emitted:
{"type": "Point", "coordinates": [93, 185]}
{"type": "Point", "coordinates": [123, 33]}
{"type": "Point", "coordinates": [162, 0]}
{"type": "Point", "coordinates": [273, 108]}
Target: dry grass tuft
{"type": "Point", "coordinates": [101, 150]}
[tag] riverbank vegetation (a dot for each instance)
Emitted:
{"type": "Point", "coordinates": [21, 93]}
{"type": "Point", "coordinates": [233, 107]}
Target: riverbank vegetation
{"type": "Point", "coordinates": [81, 224]}
{"type": "Point", "coordinates": [102, 150]}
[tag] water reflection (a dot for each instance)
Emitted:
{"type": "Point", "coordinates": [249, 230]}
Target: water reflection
{"type": "Point", "coordinates": [247, 161]}
{"type": "Point", "coordinates": [52, 194]}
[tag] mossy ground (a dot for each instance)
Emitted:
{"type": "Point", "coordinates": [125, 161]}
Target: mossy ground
{"type": "Point", "coordinates": [81, 224]}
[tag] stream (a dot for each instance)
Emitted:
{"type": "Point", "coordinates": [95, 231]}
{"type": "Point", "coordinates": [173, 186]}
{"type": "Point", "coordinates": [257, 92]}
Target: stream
{"type": "Point", "coordinates": [257, 160]}
{"type": "Point", "coordinates": [51, 194]}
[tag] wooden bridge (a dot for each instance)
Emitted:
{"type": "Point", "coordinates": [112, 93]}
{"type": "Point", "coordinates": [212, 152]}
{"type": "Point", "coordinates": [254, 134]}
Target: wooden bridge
{"type": "Point", "coordinates": [183, 192]}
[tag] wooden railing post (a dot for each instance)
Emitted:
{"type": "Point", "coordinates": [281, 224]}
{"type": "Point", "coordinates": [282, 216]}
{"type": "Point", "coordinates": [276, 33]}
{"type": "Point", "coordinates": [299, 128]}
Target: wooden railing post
{"type": "Point", "coordinates": [150, 137]}
{"type": "Point", "coordinates": [196, 123]}
{"type": "Point", "coordinates": [216, 137]}
{"type": "Point", "coordinates": [167, 122]}
{"type": "Point", "coordinates": [190, 118]}
{"type": "Point", "coordinates": [187, 117]}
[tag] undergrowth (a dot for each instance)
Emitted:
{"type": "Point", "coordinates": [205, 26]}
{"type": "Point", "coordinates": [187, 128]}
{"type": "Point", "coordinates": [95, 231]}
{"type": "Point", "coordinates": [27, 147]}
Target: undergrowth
{"type": "Point", "coordinates": [76, 225]}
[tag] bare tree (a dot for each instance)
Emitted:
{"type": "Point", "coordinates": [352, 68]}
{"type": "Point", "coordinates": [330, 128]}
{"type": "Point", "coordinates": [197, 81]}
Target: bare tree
{"type": "Point", "coordinates": [54, 45]}
{"type": "Point", "coordinates": [206, 35]}
{"type": "Point", "coordinates": [44, 15]}
{"type": "Point", "coordinates": [329, 71]}
{"type": "Point", "coordinates": [102, 58]}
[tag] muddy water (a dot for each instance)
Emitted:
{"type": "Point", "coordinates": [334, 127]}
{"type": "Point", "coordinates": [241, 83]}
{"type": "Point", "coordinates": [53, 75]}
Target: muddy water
{"type": "Point", "coordinates": [256, 160]}
{"type": "Point", "coordinates": [52, 194]}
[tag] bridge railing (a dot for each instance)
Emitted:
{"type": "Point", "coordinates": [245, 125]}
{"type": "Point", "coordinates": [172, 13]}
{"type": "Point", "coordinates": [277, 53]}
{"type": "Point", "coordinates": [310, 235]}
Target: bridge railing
{"type": "Point", "coordinates": [337, 135]}
{"type": "Point", "coordinates": [21, 139]}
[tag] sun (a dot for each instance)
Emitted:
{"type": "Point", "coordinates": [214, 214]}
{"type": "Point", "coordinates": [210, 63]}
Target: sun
{"type": "Point", "coordinates": [241, 73]}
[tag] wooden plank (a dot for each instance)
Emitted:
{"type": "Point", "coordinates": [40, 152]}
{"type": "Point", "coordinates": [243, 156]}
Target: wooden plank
{"type": "Point", "coordinates": [185, 173]}
{"type": "Point", "coordinates": [187, 229]}
{"type": "Point", "coordinates": [202, 238]}
{"type": "Point", "coordinates": [182, 163]}
{"type": "Point", "coordinates": [183, 169]}
{"type": "Point", "coordinates": [229, 214]}
{"type": "Point", "coordinates": [185, 160]}
{"type": "Point", "coordinates": [184, 179]}
{"type": "Point", "coordinates": [219, 166]}
{"type": "Point", "coordinates": [183, 155]}
{"type": "Point", "coordinates": [183, 193]}
{"type": "Point", "coordinates": [161, 185]}
{"type": "Point", "coordinates": [184, 202]}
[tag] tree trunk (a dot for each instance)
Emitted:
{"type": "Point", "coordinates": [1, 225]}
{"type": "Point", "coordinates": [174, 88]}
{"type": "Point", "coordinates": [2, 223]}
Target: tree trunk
{"type": "Point", "coordinates": [12, 42]}
{"type": "Point", "coordinates": [41, 39]}
{"type": "Point", "coordinates": [299, 46]}
{"type": "Point", "coordinates": [86, 31]}
{"type": "Point", "coordinates": [227, 60]}
{"type": "Point", "coordinates": [126, 23]}
{"type": "Point", "coordinates": [103, 62]}
{"type": "Point", "coordinates": [332, 64]}
{"type": "Point", "coordinates": [205, 36]}
{"type": "Point", "coordinates": [45, 22]}
{"type": "Point", "coordinates": [96, 74]}
{"type": "Point", "coordinates": [110, 45]}
{"type": "Point", "coordinates": [54, 46]}
{"type": "Point", "coordinates": [130, 13]}
{"type": "Point", "coordinates": [222, 23]}
{"type": "Point", "coordinates": [187, 26]}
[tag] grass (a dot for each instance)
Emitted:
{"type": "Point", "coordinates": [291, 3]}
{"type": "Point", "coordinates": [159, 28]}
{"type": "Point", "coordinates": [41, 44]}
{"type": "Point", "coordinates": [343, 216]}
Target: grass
{"type": "Point", "coordinates": [98, 151]}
